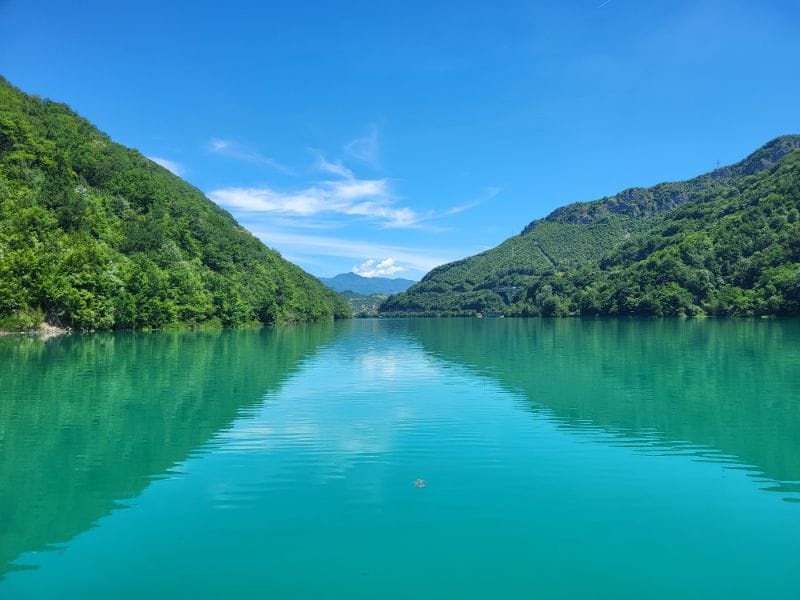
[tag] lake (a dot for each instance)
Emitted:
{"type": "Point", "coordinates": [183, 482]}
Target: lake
{"type": "Point", "coordinates": [556, 458]}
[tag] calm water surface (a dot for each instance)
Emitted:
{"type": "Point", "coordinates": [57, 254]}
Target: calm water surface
{"type": "Point", "coordinates": [610, 459]}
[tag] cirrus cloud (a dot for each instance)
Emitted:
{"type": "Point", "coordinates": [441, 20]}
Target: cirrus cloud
{"type": "Point", "coordinates": [365, 148]}
{"type": "Point", "coordinates": [238, 151]}
{"type": "Point", "coordinates": [348, 195]}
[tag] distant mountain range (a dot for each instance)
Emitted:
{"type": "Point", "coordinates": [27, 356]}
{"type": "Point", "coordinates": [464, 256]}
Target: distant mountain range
{"type": "Point", "coordinates": [723, 243]}
{"type": "Point", "coordinates": [350, 282]}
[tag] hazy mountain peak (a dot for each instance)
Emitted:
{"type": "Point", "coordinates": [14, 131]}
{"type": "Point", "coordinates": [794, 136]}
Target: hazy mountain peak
{"type": "Point", "coordinates": [352, 282]}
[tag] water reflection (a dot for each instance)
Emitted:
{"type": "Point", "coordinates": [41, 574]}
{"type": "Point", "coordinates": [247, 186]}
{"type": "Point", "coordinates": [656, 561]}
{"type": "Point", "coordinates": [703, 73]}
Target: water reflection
{"type": "Point", "coordinates": [725, 391]}
{"type": "Point", "coordinates": [515, 426]}
{"type": "Point", "coordinates": [88, 421]}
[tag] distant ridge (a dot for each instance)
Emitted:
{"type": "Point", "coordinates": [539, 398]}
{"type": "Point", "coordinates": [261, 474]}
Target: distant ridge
{"type": "Point", "coordinates": [724, 243]}
{"type": "Point", "coordinates": [351, 282]}
{"type": "Point", "coordinates": [641, 202]}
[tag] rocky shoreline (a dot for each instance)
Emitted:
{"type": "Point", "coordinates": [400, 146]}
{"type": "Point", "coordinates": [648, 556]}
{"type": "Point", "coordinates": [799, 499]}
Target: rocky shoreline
{"type": "Point", "coordinates": [44, 331]}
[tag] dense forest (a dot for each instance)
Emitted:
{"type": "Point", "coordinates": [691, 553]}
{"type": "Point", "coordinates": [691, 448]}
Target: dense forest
{"type": "Point", "coordinates": [95, 236]}
{"type": "Point", "coordinates": [725, 243]}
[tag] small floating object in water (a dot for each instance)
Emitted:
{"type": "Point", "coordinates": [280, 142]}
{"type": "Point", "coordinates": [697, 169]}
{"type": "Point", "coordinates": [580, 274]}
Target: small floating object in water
{"type": "Point", "coordinates": [420, 483]}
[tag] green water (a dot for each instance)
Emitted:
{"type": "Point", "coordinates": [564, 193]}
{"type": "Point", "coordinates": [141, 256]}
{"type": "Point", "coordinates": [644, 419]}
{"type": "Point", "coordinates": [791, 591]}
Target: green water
{"type": "Point", "coordinates": [562, 458]}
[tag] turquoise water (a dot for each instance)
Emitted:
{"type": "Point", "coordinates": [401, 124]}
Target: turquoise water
{"type": "Point", "coordinates": [561, 458]}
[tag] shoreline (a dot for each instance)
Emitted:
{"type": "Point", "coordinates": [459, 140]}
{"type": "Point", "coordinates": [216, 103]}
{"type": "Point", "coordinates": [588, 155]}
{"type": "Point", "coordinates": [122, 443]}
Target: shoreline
{"type": "Point", "coordinates": [44, 331]}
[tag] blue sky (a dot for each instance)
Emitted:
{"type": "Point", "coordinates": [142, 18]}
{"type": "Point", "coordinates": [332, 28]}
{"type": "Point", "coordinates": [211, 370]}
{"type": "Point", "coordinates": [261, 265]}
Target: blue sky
{"type": "Point", "coordinates": [394, 136]}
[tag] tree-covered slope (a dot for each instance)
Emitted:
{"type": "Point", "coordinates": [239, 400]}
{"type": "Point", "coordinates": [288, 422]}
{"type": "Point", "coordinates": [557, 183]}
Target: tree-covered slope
{"type": "Point", "coordinates": [722, 243]}
{"type": "Point", "coordinates": [94, 235]}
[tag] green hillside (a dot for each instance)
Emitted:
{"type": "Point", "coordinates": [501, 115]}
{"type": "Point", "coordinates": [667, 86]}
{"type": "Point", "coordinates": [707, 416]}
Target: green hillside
{"type": "Point", "coordinates": [94, 235]}
{"type": "Point", "coordinates": [724, 243]}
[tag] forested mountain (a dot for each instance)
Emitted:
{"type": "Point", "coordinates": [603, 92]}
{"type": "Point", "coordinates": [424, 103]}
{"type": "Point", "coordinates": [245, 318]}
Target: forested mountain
{"type": "Point", "coordinates": [367, 286]}
{"type": "Point", "coordinates": [94, 235]}
{"type": "Point", "coordinates": [724, 243]}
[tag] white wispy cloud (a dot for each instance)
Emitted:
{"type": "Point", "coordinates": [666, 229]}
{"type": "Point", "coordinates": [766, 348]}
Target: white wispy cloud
{"type": "Point", "coordinates": [367, 198]}
{"type": "Point", "coordinates": [378, 268]}
{"type": "Point", "coordinates": [169, 165]}
{"type": "Point", "coordinates": [238, 151]}
{"type": "Point", "coordinates": [334, 168]}
{"type": "Point", "coordinates": [488, 194]}
{"type": "Point", "coordinates": [346, 195]}
{"type": "Point", "coordinates": [365, 148]}
{"type": "Point", "coordinates": [418, 259]}
{"type": "Point", "coordinates": [371, 199]}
